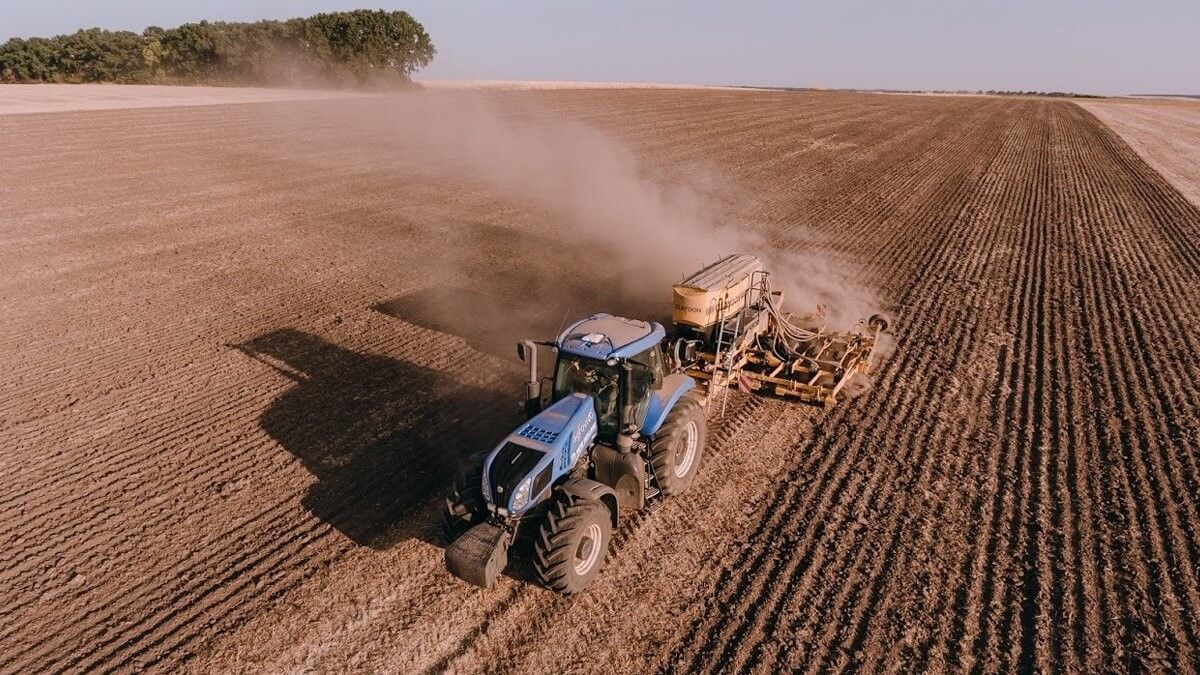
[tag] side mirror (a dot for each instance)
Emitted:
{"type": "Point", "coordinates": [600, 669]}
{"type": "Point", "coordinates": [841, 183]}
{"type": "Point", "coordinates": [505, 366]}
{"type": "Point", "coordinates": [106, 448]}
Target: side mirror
{"type": "Point", "coordinates": [521, 350]}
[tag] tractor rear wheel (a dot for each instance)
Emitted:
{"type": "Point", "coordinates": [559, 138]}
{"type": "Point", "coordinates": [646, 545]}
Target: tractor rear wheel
{"type": "Point", "coordinates": [678, 447]}
{"type": "Point", "coordinates": [572, 543]}
{"type": "Point", "coordinates": [464, 505]}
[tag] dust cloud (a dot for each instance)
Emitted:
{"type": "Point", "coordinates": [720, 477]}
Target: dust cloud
{"type": "Point", "coordinates": [653, 228]}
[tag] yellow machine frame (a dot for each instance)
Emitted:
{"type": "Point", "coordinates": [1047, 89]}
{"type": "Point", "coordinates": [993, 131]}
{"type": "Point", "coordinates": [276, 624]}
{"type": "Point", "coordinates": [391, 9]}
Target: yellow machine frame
{"type": "Point", "coordinates": [748, 343]}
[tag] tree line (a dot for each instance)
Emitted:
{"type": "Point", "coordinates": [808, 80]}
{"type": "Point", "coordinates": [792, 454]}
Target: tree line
{"type": "Point", "coordinates": [372, 47]}
{"type": "Point", "coordinates": [1052, 94]}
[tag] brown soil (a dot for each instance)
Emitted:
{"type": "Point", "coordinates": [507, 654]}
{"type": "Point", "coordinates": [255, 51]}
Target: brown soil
{"type": "Point", "coordinates": [230, 405]}
{"type": "Point", "coordinates": [18, 99]}
{"type": "Point", "coordinates": [1165, 133]}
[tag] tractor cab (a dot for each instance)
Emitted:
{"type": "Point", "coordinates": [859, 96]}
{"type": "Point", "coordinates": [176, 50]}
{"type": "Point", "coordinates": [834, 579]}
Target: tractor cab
{"type": "Point", "coordinates": [615, 361]}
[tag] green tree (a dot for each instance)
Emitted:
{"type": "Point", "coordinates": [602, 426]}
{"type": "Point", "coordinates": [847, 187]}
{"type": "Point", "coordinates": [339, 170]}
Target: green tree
{"type": "Point", "coordinates": [361, 46]}
{"type": "Point", "coordinates": [369, 44]}
{"type": "Point", "coordinates": [152, 52]}
{"type": "Point", "coordinates": [26, 60]}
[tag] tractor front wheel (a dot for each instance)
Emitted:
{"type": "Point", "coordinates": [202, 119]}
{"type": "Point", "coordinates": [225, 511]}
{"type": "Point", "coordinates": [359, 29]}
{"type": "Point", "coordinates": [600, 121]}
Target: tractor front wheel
{"type": "Point", "coordinates": [678, 447]}
{"type": "Point", "coordinates": [464, 505]}
{"type": "Point", "coordinates": [572, 544]}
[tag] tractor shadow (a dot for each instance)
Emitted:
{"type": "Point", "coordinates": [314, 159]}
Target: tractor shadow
{"type": "Point", "coordinates": [383, 437]}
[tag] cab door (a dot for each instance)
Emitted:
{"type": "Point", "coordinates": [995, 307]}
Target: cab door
{"type": "Point", "coordinates": [647, 379]}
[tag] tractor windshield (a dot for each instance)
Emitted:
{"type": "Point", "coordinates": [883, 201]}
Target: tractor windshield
{"type": "Point", "coordinates": [579, 375]}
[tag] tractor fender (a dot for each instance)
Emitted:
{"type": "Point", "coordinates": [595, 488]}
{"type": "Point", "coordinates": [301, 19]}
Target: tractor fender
{"type": "Point", "coordinates": [586, 488]}
{"type": "Point", "coordinates": [674, 386]}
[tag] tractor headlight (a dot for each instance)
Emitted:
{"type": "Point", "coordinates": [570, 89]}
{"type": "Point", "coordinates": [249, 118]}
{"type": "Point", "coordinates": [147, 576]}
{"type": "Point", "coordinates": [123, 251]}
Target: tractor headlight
{"type": "Point", "coordinates": [486, 489]}
{"type": "Point", "coordinates": [520, 498]}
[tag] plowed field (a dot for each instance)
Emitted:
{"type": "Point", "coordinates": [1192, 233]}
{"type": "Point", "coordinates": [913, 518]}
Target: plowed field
{"type": "Point", "coordinates": [1165, 133]}
{"type": "Point", "coordinates": [231, 396]}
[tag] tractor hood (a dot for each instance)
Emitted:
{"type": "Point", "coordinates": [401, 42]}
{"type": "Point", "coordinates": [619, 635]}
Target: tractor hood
{"type": "Point", "coordinates": [518, 473]}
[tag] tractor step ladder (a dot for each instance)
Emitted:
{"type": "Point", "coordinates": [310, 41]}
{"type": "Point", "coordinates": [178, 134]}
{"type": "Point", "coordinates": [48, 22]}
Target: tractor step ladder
{"type": "Point", "coordinates": [654, 499]}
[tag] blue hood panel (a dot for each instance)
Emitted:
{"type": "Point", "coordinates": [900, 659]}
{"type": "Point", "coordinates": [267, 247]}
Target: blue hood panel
{"type": "Point", "coordinates": [564, 431]}
{"type": "Point", "coordinates": [548, 426]}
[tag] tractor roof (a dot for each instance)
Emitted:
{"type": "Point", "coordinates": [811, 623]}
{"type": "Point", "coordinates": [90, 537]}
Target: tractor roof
{"type": "Point", "coordinates": [603, 336]}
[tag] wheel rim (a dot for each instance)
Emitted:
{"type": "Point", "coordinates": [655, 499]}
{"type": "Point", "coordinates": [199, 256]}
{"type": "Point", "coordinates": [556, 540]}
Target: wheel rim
{"type": "Point", "coordinates": [588, 551]}
{"type": "Point", "coordinates": [691, 439]}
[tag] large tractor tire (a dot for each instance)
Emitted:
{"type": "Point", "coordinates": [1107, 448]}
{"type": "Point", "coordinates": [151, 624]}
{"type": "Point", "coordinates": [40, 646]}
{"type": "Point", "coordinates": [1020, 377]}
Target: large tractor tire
{"type": "Point", "coordinates": [464, 506]}
{"type": "Point", "coordinates": [572, 544]}
{"type": "Point", "coordinates": [678, 447]}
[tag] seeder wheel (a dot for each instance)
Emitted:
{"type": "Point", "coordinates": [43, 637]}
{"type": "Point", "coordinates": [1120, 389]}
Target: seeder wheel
{"type": "Point", "coordinates": [879, 322]}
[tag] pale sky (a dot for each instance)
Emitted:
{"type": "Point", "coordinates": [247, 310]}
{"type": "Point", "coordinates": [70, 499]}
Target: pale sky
{"type": "Point", "coordinates": [1100, 46]}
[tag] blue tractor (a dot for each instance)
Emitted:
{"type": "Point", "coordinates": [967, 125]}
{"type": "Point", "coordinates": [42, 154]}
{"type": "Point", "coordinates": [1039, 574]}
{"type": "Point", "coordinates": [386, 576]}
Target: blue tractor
{"type": "Point", "coordinates": [621, 424]}
{"type": "Point", "coordinates": [613, 430]}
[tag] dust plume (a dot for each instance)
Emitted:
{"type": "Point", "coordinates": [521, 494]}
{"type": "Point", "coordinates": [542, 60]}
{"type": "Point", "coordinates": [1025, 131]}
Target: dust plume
{"type": "Point", "coordinates": [648, 227]}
